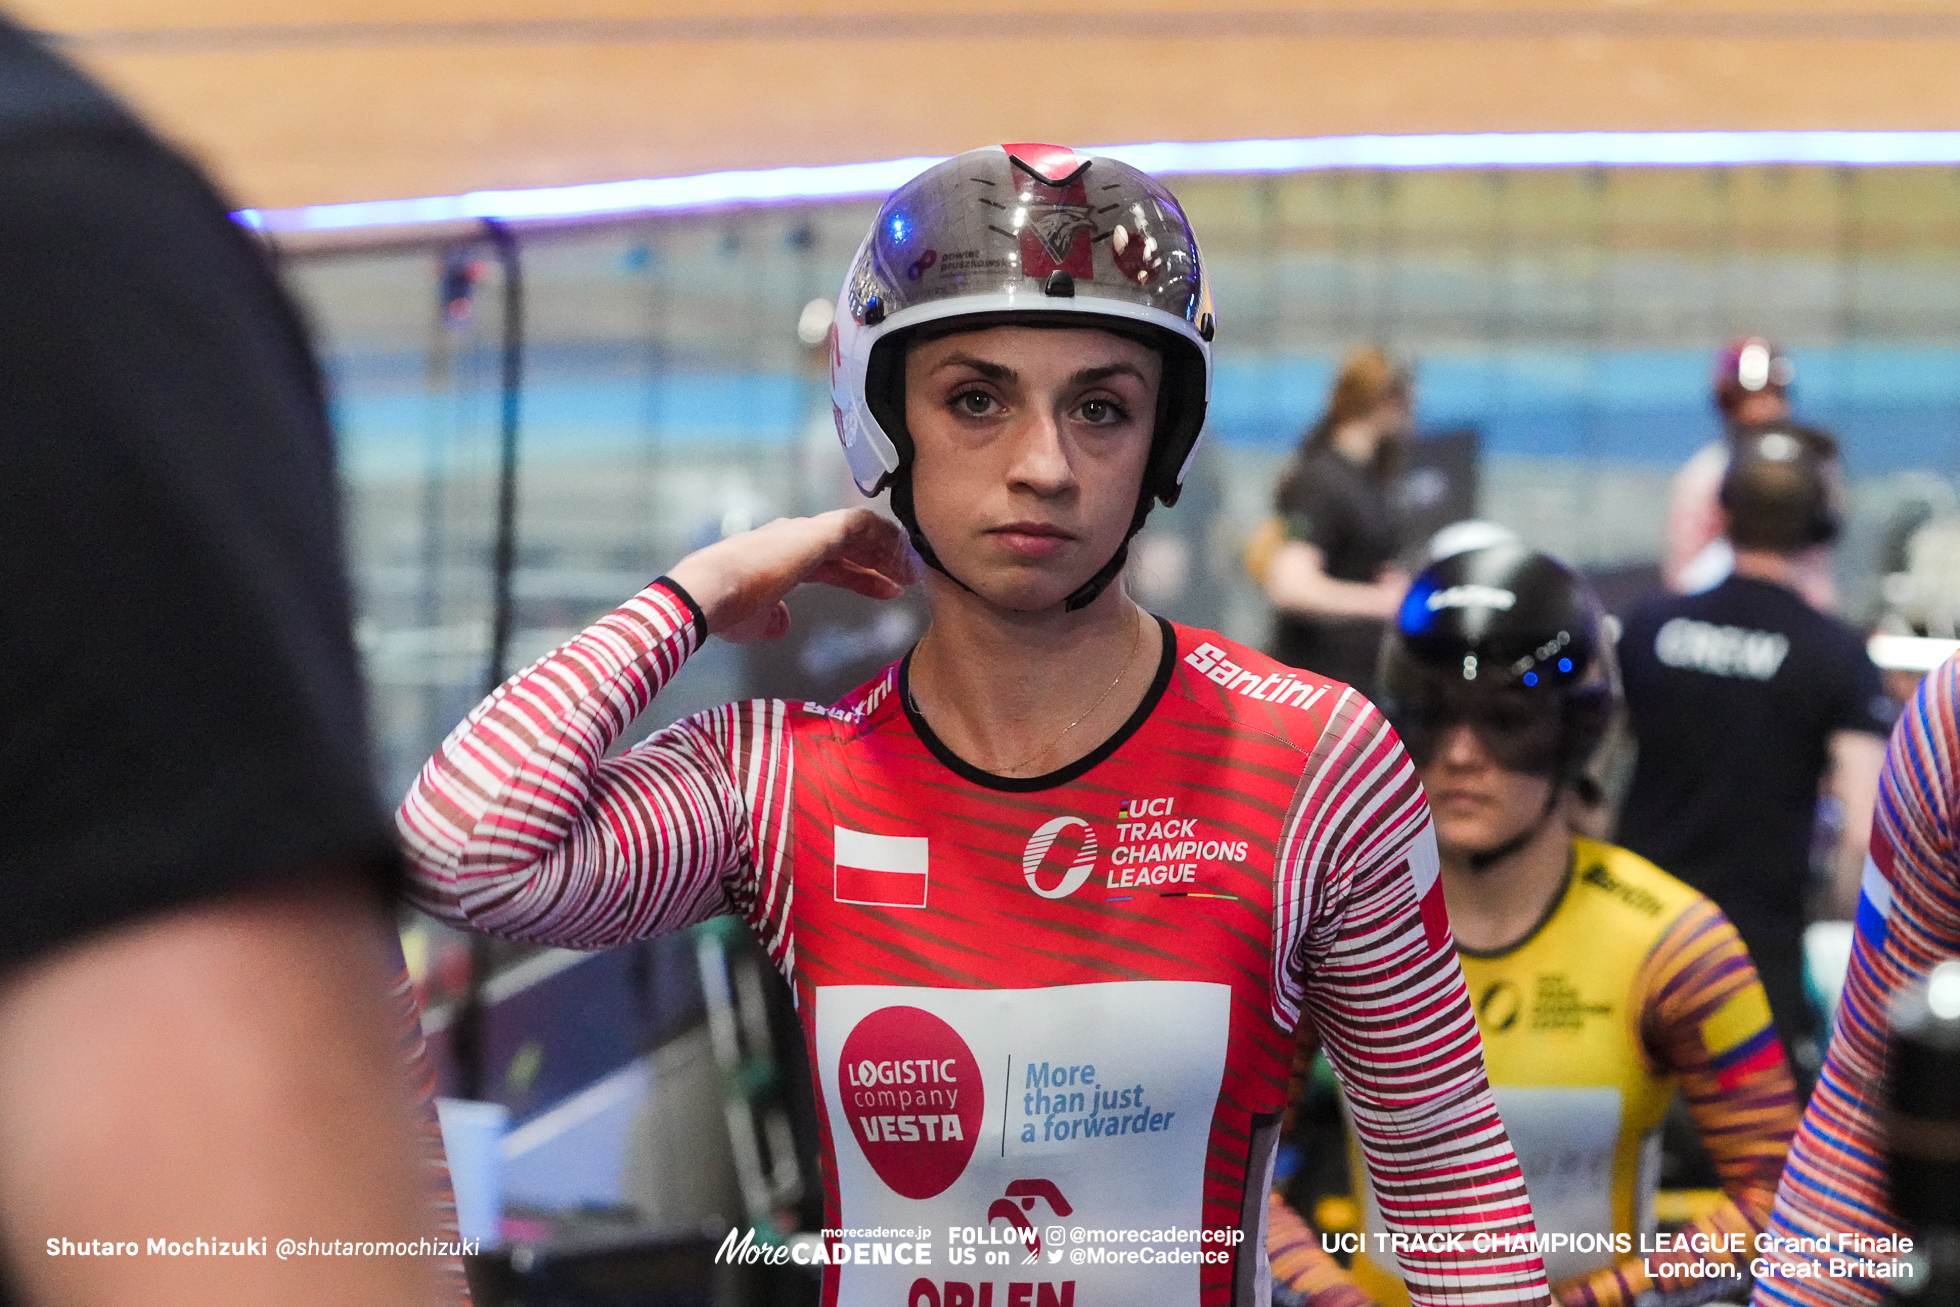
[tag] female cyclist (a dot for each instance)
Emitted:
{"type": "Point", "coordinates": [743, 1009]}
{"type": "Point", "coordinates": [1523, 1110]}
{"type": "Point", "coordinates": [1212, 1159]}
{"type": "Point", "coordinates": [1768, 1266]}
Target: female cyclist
{"type": "Point", "coordinates": [1603, 985]}
{"type": "Point", "coordinates": [1053, 892]}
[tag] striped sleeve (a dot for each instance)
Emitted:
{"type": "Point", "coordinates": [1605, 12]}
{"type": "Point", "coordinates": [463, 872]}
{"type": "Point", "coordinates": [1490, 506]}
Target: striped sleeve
{"type": "Point", "coordinates": [1908, 920]}
{"type": "Point", "coordinates": [520, 826]}
{"type": "Point", "coordinates": [1367, 952]}
{"type": "Point", "coordinates": [1704, 1017]}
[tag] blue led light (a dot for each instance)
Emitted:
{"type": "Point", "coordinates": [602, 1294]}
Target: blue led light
{"type": "Point", "coordinates": [1165, 158]}
{"type": "Point", "coordinates": [1531, 678]}
{"type": "Point", "coordinates": [1565, 664]}
{"type": "Point", "coordinates": [1416, 616]}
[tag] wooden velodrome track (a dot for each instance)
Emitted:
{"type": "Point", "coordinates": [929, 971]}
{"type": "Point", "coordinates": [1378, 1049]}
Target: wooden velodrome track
{"type": "Point", "coordinates": [322, 100]}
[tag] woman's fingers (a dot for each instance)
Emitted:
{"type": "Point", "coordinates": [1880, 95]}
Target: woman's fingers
{"type": "Point", "coordinates": [877, 544]}
{"type": "Point", "coordinates": [740, 582]}
{"type": "Point", "coordinates": [871, 557]}
{"type": "Point", "coordinates": [846, 575]}
{"type": "Point", "coordinates": [770, 623]}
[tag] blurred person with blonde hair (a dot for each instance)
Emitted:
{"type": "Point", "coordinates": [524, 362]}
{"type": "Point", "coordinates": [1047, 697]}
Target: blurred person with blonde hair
{"type": "Point", "coordinates": [1326, 559]}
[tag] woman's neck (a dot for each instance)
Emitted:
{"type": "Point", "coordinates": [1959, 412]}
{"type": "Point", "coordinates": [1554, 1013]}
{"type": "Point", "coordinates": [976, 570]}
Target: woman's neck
{"type": "Point", "coordinates": [1493, 909]}
{"type": "Point", "coordinates": [1024, 694]}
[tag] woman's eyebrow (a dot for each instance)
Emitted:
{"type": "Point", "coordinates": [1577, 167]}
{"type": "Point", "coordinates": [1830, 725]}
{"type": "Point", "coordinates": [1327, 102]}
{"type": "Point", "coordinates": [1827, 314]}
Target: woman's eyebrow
{"type": "Point", "coordinates": [1089, 376]}
{"type": "Point", "coordinates": [985, 367]}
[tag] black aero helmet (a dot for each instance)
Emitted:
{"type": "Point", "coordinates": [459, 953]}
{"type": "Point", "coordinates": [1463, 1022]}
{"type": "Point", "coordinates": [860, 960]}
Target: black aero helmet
{"type": "Point", "coordinates": [1780, 489]}
{"type": "Point", "coordinates": [1512, 643]}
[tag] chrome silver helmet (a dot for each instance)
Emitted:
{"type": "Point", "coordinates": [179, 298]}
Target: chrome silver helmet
{"type": "Point", "coordinates": [1004, 234]}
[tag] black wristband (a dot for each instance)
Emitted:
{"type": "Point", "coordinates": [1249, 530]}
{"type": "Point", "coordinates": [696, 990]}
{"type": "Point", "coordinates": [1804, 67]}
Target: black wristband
{"type": "Point", "coordinates": [679, 592]}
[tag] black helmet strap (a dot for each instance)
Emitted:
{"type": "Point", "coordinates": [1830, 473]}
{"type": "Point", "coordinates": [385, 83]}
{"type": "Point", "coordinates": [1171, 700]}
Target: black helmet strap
{"type": "Point", "coordinates": [902, 507]}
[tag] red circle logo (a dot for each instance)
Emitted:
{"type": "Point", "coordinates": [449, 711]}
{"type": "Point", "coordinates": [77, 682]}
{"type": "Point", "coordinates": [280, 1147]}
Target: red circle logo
{"type": "Point", "coordinates": [911, 1090]}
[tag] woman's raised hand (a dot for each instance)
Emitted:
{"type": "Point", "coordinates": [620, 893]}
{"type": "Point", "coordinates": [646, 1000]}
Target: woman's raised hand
{"type": "Point", "coordinates": [740, 582]}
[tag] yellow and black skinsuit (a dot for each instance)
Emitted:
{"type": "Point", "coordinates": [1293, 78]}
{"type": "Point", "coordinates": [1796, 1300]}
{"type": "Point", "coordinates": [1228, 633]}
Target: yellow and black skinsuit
{"type": "Point", "coordinates": [1631, 986]}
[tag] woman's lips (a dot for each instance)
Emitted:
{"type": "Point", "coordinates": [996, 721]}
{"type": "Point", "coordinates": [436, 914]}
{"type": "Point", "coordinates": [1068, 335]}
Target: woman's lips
{"type": "Point", "coordinates": [1458, 801]}
{"type": "Point", "coordinates": [1032, 540]}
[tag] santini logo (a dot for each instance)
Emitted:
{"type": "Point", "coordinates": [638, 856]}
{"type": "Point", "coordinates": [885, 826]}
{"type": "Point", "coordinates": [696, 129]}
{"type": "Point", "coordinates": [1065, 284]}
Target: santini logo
{"type": "Point", "coordinates": [1274, 687]}
{"type": "Point", "coordinates": [1472, 596]}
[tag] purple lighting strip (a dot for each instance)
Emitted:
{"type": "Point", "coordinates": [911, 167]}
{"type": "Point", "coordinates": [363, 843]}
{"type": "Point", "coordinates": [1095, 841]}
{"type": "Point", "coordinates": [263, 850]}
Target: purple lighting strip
{"type": "Point", "coordinates": [1163, 158]}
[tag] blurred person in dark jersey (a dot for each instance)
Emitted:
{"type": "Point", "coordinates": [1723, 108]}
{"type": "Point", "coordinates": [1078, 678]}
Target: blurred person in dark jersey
{"type": "Point", "coordinates": [196, 1032]}
{"type": "Point", "coordinates": [1743, 699]}
{"type": "Point", "coordinates": [1835, 1203]}
{"type": "Point", "coordinates": [1602, 985]}
{"type": "Point", "coordinates": [1751, 390]}
{"type": "Point", "coordinates": [1074, 871]}
{"type": "Point", "coordinates": [1326, 561]}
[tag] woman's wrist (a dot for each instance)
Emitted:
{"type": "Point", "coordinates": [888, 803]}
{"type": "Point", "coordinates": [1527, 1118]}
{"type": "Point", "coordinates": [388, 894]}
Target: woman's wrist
{"type": "Point", "coordinates": [698, 587]}
{"type": "Point", "coordinates": [682, 593]}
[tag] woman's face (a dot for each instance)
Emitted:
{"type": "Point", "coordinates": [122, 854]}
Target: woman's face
{"type": "Point", "coordinates": [1030, 445]}
{"type": "Point", "coordinates": [1478, 803]}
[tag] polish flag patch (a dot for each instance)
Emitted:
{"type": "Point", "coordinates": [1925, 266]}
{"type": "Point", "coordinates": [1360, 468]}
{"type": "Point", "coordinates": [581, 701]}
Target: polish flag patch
{"type": "Point", "coordinates": [1425, 869]}
{"type": "Point", "coordinates": [883, 871]}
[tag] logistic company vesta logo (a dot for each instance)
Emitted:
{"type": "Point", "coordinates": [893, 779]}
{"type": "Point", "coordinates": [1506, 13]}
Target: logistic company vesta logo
{"type": "Point", "coordinates": [1060, 857]}
{"type": "Point", "coordinates": [912, 1093]}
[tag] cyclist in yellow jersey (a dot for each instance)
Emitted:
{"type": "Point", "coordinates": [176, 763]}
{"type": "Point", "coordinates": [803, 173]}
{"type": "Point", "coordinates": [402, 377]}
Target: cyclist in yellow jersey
{"type": "Point", "coordinates": [1601, 984]}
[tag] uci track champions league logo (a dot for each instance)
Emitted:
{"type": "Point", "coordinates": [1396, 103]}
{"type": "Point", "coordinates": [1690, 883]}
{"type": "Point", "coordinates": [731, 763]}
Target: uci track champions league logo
{"type": "Point", "coordinates": [911, 1088]}
{"type": "Point", "coordinates": [1035, 860]}
{"type": "Point", "coordinates": [1156, 850]}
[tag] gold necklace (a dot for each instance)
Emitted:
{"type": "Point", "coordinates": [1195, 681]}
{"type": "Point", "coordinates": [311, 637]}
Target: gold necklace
{"type": "Point", "coordinates": [1136, 640]}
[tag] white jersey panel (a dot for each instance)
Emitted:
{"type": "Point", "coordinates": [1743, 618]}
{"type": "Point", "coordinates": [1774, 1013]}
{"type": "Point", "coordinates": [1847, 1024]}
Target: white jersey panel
{"type": "Point", "coordinates": [998, 1118]}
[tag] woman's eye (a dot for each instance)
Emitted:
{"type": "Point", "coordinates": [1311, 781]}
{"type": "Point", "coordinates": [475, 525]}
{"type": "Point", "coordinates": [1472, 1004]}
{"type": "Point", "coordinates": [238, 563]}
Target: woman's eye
{"type": "Point", "coordinates": [1102, 412]}
{"type": "Point", "coordinates": [974, 403]}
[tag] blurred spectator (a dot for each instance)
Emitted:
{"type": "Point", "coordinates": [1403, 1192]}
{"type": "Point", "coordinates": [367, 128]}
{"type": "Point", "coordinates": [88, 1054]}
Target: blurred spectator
{"type": "Point", "coordinates": [1751, 387]}
{"type": "Point", "coordinates": [1326, 559]}
{"type": "Point", "coordinates": [1751, 391]}
{"type": "Point", "coordinates": [196, 1035]}
{"type": "Point", "coordinates": [1742, 699]}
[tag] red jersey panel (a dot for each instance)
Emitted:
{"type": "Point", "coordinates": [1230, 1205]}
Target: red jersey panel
{"type": "Point", "coordinates": [1036, 1006]}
